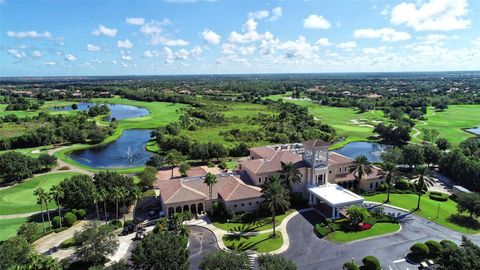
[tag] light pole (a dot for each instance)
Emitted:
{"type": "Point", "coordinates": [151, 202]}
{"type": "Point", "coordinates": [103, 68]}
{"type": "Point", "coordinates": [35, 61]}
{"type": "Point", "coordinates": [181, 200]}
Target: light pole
{"type": "Point", "coordinates": [438, 210]}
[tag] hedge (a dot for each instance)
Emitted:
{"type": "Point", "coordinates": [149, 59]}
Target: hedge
{"type": "Point", "coordinates": [350, 266]}
{"type": "Point", "coordinates": [434, 248]}
{"type": "Point", "coordinates": [419, 252]}
{"type": "Point", "coordinates": [115, 224]}
{"type": "Point", "coordinates": [69, 218]}
{"type": "Point", "coordinates": [371, 263]}
{"type": "Point", "coordinates": [322, 230]}
{"type": "Point", "coordinates": [438, 196]}
{"type": "Point", "coordinates": [56, 221]}
{"type": "Point", "coordinates": [79, 213]}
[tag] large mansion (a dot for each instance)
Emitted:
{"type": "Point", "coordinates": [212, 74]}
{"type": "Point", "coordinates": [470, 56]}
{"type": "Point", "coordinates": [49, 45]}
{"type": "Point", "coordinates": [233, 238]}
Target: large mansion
{"type": "Point", "coordinates": [326, 180]}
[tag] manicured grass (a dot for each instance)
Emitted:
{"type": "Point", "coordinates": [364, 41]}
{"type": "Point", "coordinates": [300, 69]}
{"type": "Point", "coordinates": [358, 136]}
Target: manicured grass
{"type": "Point", "coordinates": [263, 242]}
{"type": "Point", "coordinates": [258, 225]}
{"type": "Point", "coordinates": [446, 213]}
{"type": "Point", "coordinates": [376, 230]}
{"type": "Point", "coordinates": [20, 199]}
{"type": "Point", "coordinates": [451, 122]}
{"type": "Point", "coordinates": [9, 227]}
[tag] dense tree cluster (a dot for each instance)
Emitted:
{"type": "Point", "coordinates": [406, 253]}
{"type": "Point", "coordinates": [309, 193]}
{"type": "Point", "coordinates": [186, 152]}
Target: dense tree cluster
{"type": "Point", "coordinates": [21, 104]}
{"type": "Point", "coordinates": [97, 110]}
{"type": "Point", "coordinates": [395, 135]}
{"type": "Point", "coordinates": [15, 166]}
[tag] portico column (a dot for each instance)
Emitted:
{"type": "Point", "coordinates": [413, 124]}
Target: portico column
{"type": "Point", "coordinates": [333, 213]}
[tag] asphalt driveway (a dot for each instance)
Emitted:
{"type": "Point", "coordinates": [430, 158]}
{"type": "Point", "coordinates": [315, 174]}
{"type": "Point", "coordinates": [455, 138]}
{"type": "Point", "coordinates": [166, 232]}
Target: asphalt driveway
{"type": "Point", "coordinates": [202, 241]}
{"type": "Point", "coordinates": [311, 252]}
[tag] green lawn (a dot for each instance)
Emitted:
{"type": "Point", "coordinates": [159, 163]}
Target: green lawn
{"type": "Point", "coordinates": [263, 242]}
{"type": "Point", "coordinates": [429, 208]}
{"type": "Point", "coordinates": [9, 227]}
{"type": "Point", "coordinates": [259, 225]}
{"type": "Point", "coordinates": [451, 122]}
{"type": "Point", "coordinates": [20, 199]}
{"type": "Point", "coordinates": [376, 230]}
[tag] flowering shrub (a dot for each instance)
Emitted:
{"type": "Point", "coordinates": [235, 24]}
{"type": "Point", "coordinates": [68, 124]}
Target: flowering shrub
{"type": "Point", "coordinates": [365, 226]}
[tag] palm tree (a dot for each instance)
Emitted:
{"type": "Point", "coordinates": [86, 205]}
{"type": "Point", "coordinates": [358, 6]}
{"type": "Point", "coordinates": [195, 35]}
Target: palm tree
{"type": "Point", "coordinates": [422, 182]}
{"type": "Point", "coordinates": [276, 196]}
{"type": "Point", "coordinates": [361, 166]}
{"type": "Point", "coordinates": [174, 158]}
{"type": "Point", "coordinates": [137, 194]}
{"type": "Point", "coordinates": [96, 199]}
{"type": "Point", "coordinates": [291, 175]}
{"type": "Point", "coordinates": [117, 196]}
{"type": "Point", "coordinates": [102, 197]}
{"type": "Point", "coordinates": [47, 199]}
{"type": "Point", "coordinates": [210, 180]}
{"type": "Point", "coordinates": [56, 193]}
{"type": "Point", "coordinates": [40, 193]}
{"type": "Point", "coordinates": [390, 172]}
{"type": "Point", "coordinates": [125, 194]}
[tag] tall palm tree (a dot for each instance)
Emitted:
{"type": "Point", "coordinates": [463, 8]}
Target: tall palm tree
{"type": "Point", "coordinates": [361, 166]}
{"type": "Point", "coordinates": [117, 196]}
{"type": "Point", "coordinates": [137, 194]}
{"type": "Point", "coordinates": [47, 199]}
{"type": "Point", "coordinates": [174, 158]}
{"type": "Point", "coordinates": [125, 194]}
{"type": "Point", "coordinates": [291, 175]}
{"type": "Point", "coordinates": [56, 193]}
{"type": "Point", "coordinates": [102, 197]}
{"type": "Point", "coordinates": [96, 199]}
{"type": "Point", "coordinates": [422, 182]}
{"type": "Point", "coordinates": [276, 197]}
{"type": "Point", "coordinates": [390, 173]}
{"type": "Point", "coordinates": [39, 192]}
{"type": "Point", "coordinates": [210, 180]}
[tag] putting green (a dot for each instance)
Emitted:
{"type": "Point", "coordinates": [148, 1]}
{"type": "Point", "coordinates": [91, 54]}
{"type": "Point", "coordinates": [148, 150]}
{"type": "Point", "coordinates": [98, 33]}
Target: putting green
{"type": "Point", "coordinates": [19, 199]}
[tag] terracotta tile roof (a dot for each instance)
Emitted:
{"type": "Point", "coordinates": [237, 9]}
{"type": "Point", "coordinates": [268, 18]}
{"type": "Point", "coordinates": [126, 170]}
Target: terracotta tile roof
{"type": "Point", "coordinates": [316, 143]}
{"type": "Point", "coordinates": [263, 151]}
{"type": "Point", "coordinates": [166, 174]}
{"type": "Point", "coordinates": [336, 158]}
{"type": "Point", "coordinates": [229, 188]}
{"type": "Point", "coordinates": [376, 174]}
{"type": "Point", "coordinates": [272, 165]}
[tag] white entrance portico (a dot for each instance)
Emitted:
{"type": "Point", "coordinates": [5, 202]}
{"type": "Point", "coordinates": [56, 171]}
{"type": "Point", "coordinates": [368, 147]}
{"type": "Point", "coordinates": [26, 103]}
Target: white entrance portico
{"type": "Point", "coordinates": [334, 196]}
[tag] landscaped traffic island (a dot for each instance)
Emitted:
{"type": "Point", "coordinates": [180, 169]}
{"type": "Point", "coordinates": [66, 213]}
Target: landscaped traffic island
{"type": "Point", "coordinates": [261, 243]}
{"type": "Point", "coordinates": [256, 225]}
{"type": "Point", "coordinates": [378, 229]}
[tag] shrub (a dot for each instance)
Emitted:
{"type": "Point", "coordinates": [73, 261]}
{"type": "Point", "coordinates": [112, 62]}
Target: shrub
{"type": "Point", "coordinates": [438, 196]}
{"type": "Point", "coordinates": [434, 248]}
{"type": "Point", "coordinates": [402, 185]}
{"type": "Point", "coordinates": [30, 231]}
{"type": "Point", "coordinates": [70, 242]}
{"type": "Point", "coordinates": [322, 230]}
{"type": "Point", "coordinates": [382, 187]}
{"type": "Point", "coordinates": [69, 218]}
{"type": "Point", "coordinates": [357, 215]}
{"type": "Point", "coordinates": [350, 266]}
{"type": "Point", "coordinates": [419, 252]}
{"type": "Point", "coordinates": [371, 263]}
{"type": "Point", "coordinates": [128, 223]}
{"type": "Point", "coordinates": [115, 224]}
{"type": "Point", "coordinates": [56, 221]}
{"type": "Point", "coordinates": [80, 213]}
{"type": "Point", "coordinates": [448, 244]}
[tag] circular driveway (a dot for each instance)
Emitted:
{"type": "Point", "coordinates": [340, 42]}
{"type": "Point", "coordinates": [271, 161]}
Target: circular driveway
{"type": "Point", "coordinates": [311, 252]}
{"type": "Point", "coordinates": [202, 241]}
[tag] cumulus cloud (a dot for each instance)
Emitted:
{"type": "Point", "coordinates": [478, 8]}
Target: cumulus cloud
{"type": "Point", "coordinates": [103, 30]}
{"type": "Point", "coordinates": [248, 35]}
{"type": "Point", "coordinates": [151, 53]}
{"type": "Point", "coordinates": [259, 15]}
{"type": "Point", "coordinates": [155, 32]}
{"type": "Point", "coordinates": [93, 48]}
{"type": "Point", "coordinates": [70, 57]}
{"type": "Point", "coordinates": [210, 37]}
{"type": "Point", "coordinates": [38, 54]}
{"type": "Point", "coordinates": [169, 55]}
{"type": "Point", "coordinates": [29, 34]}
{"type": "Point", "coordinates": [299, 48]}
{"type": "Point", "coordinates": [50, 63]}
{"type": "Point", "coordinates": [315, 21]}
{"type": "Point", "coordinates": [442, 15]}
{"type": "Point", "coordinates": [349, 45]}
{"type": "Point", "coordinates": [385, 34]}
{"type": "Point", "coordinates": [126, 55]}
{"type": "Point", "coordinates": [378, 50]}
{"type": "Point", "coordinates": [276, 13]}
{"type": "Point", "coordinates": [16, 53]}
{"type": "Point", "coordinates": [272, 15]}
{"type": "Point", "coordinates": [323, 42]}
{"type": "Point", "coordinates": [135, 21]}
{"type": "Point", "coordinates": [125, 44]}
{"type": "Point", "coordinates": [433, 38]}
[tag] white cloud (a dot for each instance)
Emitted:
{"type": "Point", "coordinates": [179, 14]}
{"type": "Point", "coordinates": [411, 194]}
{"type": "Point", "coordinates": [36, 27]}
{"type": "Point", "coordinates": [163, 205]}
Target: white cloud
{"type": "Point", "coordinates": [299, 48]}
{"type": "Point", "coordinates": [151, 53]}
{"type": "Point", "coordinates": [443, 15]}
{"type": "Point", "coordinates": [349, 45]}
{"type": "Point", "coordinates": [173, 42]}
{"type": "Point", "coordinates": [169, 56]}
{"type": "Point", "coordinates": [70, 57]}
{"type": "Point", "coordinates": [38, 54]}
{"type": "Point", "coordinates": [259, 15]}
{"type": "Point", "coordinates": [477, 42]}
{"type": "Point", "coordinates": [135, 21]}
{"type": "Point", "coordinates": [17, 53]}
{"type": "Point", "coordinates": [154, 30]}
{"type": "Point", "coordinates": [378, 50]}
{"type": "Point", "coordinates": [29, 34]}
{"type": "Point", "coordinates": [196, 51]}
{"type": "Point", "coordinates": [433, 38]}
{"type": "Point", "coordinates": [182, 54]}
{"type": "Point", "coordinates": [152, 27]}
{"type": "Point", "coordinates": [316, 22]}
{"type": "Point", "coordinates": [276, 13]}
{"type": "Point", "coordinates": [385, 34]}
{"type": "Point", "coordinates": [50, 63]}
{"type": "Point", "coordinates": [125, 44]}
{"type": "Point", "coordinates": [211, 37]}
{"type": "Point", "coordinates": [93, 48]}
{"type": "Point", "coordinates": [323, 42]}
{"type": "Point", "coordinates": [126, 55]}
{"type": "Point", "coordinates": [103, 30]}
{"type": "Point", "coordinates": [248, 35]}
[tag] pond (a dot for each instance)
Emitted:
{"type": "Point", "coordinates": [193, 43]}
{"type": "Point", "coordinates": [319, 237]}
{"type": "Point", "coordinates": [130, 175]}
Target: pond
{"type": "Point", "coordinates": [119, 111]}
{"type": "Point", "coordinates": [127, 151]}
{"type": "Point", "coordinates": [474, 130]}
{"type": "Point", "coordinates": [369, 149]}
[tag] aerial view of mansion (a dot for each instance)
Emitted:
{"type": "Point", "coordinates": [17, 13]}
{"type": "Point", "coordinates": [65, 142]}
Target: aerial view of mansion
{"type": "Point", "coordinates": [326, 181]}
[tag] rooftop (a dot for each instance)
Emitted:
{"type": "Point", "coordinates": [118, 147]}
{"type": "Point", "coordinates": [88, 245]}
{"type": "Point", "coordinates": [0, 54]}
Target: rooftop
{"type": "Point", "coordinates": [335, 195]}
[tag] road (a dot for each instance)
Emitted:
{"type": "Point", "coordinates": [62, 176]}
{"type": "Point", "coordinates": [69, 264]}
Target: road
{"type": "Point", "coordinates": [202, 241]}
{"type": "Point", "coordinates": [311, 252]}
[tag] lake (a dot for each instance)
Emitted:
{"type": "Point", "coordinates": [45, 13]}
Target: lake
{"type": "Point", "coordinates": [127, 151]}
{"type": "Point", "coordinates": [369, 149]}
{"type": "Point", "coordinates": [117, 111]}
{"type": "Point", "coordinates": [474, 130]}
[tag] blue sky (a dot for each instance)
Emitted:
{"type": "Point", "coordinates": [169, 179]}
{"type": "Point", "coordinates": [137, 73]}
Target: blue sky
{"type": "Point", "coordinates": [49, 38]}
